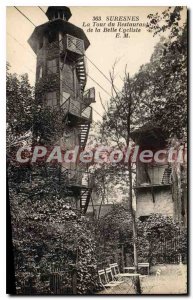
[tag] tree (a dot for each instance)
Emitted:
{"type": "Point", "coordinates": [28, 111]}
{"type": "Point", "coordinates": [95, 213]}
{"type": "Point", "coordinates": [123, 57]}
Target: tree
{"type": "Point", "coordinates": [118, 121]}
{"type": "Point", "coordinates": [46, 230]}
{"type": "Point", "coordinates": [161, 240]}
{"type": "Point", "coordinates": [156, 95]}
{"type": "Point", "coordinates": [167, 73]}
{"type": "Point", "coordinates": [114, 233]}
{"type": "Point", "coordinates": [168, 20]}
{"type": "Point", "coordinates": [19, 121]}
{"type": "Point", "coordinates": [20, 103]}
{"type": "Point", "coordinates": [49, 235]}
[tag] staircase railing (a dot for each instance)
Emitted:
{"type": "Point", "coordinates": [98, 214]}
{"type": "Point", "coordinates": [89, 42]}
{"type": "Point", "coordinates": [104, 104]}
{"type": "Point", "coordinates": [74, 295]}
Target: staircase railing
{"type": "Point", "coordinates": [81, 69]}
{"type": "Point", "coordinates": [75, 107]}
{"type": "Point", "coordinates": [71, 106]}
{"type": "Point", "coordinates": [157, 175]}
{"type": "Point", "coordinates": [77, 178]}
{"type": "Point", "coordinates": [87, 113]}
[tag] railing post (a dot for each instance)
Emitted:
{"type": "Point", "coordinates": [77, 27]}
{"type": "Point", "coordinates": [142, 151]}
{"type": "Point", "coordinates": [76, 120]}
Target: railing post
{"type": "Point", "coordinates": [138, 286]}
{"type": "Point", "coordinates": [74, 282]}
{"type": "Point", "coordinates": [91, 114]}
{"type": "Point", "coordinates": [122, 257]}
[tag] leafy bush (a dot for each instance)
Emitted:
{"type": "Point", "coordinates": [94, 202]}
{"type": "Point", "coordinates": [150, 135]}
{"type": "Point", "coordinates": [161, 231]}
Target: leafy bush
{"type": "Point", "coordinates": [114, 232]}
{"type": "Point", "coordinates": [159, 239]}
{"type": "Point", "coordinates": [46, 233]}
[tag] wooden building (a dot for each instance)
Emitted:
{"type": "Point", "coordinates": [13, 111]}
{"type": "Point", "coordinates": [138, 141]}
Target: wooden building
{"type": "Point", "coordinates": [61, 77]}
{"type": "Point", "coordinates": [158, 187]}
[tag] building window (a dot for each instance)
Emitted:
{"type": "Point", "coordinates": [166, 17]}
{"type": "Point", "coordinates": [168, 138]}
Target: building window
{"type": "Point", "coordinates": [51, 99]}
{"type": "Point", "coordinates": [52, 66]}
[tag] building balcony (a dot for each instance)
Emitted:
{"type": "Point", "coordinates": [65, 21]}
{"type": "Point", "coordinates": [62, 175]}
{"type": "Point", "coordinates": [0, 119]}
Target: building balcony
{"type": "Point", "coordinates": [75, 115]}
{"type": "Point", "coordinates": [80, 184]}
{"type": "Point", "coordinates": [153, 177]}
{"type": "Point", "coordinates": [73, 45]}
{"type": "Point", "coordinates": [78, 179]}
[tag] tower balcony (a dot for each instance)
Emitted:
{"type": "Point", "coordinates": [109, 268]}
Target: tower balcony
{"type": "Point", "coordinates": [75, 115]}
{"type": "Point", "coordinates": [80, 184]}
{"type": "Point", "coordinates": [153, 177]}
{"type": "Point", "coordinates": [78, 179]}
{"type": "Point", "coordinates": [72, 45]}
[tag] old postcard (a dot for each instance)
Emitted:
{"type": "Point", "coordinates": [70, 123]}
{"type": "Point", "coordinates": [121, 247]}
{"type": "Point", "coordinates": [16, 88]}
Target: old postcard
{"type": "Point", "coordinates": [97, 150]}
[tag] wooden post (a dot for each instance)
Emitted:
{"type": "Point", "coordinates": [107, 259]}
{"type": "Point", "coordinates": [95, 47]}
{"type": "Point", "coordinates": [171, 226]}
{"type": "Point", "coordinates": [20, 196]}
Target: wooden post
{"type": "Point", "coordinates": [74, 80]}
{"type": "Point", "coordinates": [137, 281]}
{"type": "Point", "coordinates": [74, 282]}
{"type": "Point", "coordinates": [134, 242]}
{"type": "Point", "coordinates": [122, 257]}
{"type": "Point", "coordinates": [128, 98]}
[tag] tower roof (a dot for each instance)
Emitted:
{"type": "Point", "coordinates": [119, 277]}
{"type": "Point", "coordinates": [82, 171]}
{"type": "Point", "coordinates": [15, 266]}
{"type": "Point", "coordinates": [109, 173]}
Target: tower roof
{"type": "Point", "coordinates": [58, 9]}
{"type": "Point", "coordinates": [148, 135]}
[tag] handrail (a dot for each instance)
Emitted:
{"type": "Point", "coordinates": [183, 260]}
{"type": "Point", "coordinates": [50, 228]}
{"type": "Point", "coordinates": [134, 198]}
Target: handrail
{"type": "Point", "coordinates": [158, 175]}
{"type": "Point", "coordinates": [67, 100]}
{"type": "Point", "coordinates": [90, 93]}
{"type": "Point", "coordinates": [76, 177]}
{"type": "Point", "coordinates": [86, 112]}
{"type": "Point", "coordinates": [72, 103]}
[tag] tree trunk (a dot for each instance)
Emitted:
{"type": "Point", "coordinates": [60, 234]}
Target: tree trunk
{"type": "Point", "coordinates": [129, 100]}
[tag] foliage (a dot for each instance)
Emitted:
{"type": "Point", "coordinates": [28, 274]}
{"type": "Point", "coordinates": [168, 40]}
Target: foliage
{"type": "Point", "coordinates": [43, 126]}
{"type": "Point", "coordinates": [27, 116]}
{"type": "Point", "coordinates": [108, 183]}
{"type": "Point", "coordinates": [48, 84]}
{"type": "Point", "coordinates": [165, 86]}
{"type": "Point", "coordinates": [20, 103]}
{"type": "Point", "coordinates": [116, 224]}
{"type": "Point", "coordinates": [46, 229]}
{"type": "Point", "coordinates": [48, 234]}
{"type": "Point", "coordinates": [155, 96]}
{"type": "Point", "coordinates": [168, 66]}
{"type": "Point", "coordinates": [157, 93]}
{"type": "Point", "coordinates": [159, 238]}
{"type": "Point", "coordinates": [168, 20]}
{"type": "Point", "coordinates": [114, 231]}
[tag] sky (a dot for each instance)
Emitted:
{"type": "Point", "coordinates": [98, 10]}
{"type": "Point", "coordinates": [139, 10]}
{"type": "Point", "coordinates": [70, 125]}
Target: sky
{"type": "Point", "coordinates": [103, 51]}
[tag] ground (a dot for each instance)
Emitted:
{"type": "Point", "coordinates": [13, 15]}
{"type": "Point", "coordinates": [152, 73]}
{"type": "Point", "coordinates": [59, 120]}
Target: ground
{"type": "Point", "coordinates": [172, 280]}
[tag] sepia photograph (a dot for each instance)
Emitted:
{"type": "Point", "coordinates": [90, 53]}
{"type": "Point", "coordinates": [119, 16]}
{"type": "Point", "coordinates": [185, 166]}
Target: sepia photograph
{"type": "Point", "coordinates": [96, 150]}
